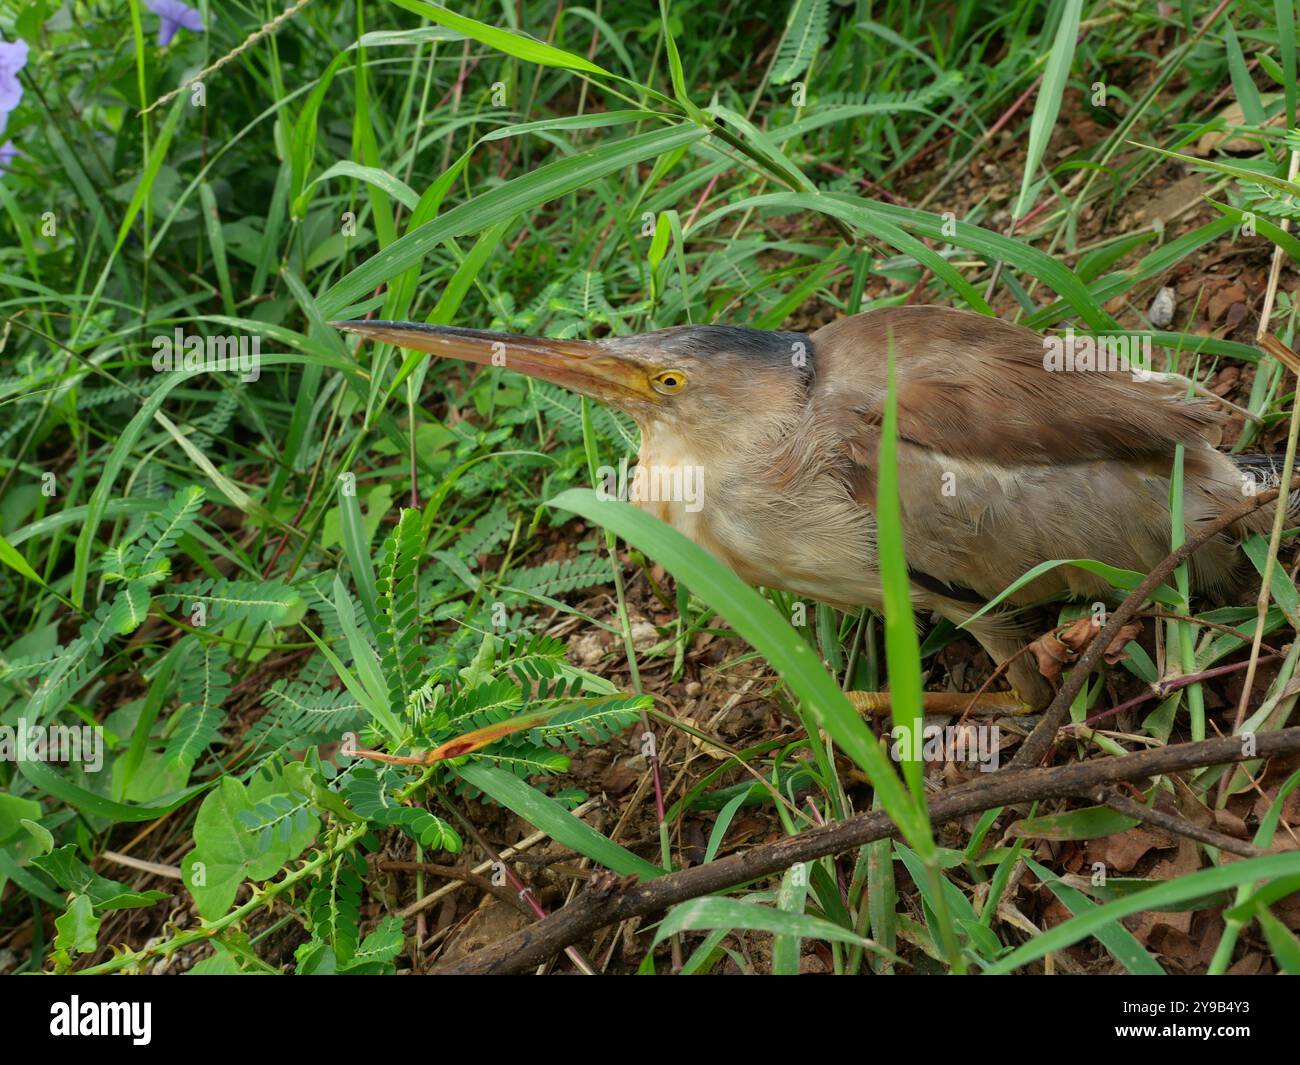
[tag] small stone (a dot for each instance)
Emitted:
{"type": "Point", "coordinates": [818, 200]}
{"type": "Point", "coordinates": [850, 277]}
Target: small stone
{"type": "Point", "coordinates": [644, 635]}
{"type": "Point", "coordinates": [1161, 312]}
{"type": "Point", "coordinates": [587, 649]}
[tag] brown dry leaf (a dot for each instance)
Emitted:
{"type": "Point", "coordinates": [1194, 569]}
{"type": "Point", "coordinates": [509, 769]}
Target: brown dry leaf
{"type": "Point", "coordinates": [1233, 115]}
{"type": "Point", "coordinates": [1079, 634]}
{"type": "Point", "coordinates": [619, 777]}
{"type": "Point", "coordinates": [1236, 315]}
{"type": "Point", "coordinates": [1076, 637]}
{"type": "Point", "coordinates": [1224, 298]}
{"type": "Point", "coordinates": [1052, 655]}
{"type": "Point", "coordinates": [1230, 824]}
{"type": "Point", "coordinates": [1123, 850]}
{"type": "Point", "coordinates": [489, 924]}
{"type": "Point", "coordinates": [1250, 965]}
{"type": "Point", "coordinates": [1171, 933]}
{"type": "Point", "coordinates": [1191, 806]}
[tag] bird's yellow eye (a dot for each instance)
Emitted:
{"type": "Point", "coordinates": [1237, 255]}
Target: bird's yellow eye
{"type": "Point", "coordinates": [668, 382]}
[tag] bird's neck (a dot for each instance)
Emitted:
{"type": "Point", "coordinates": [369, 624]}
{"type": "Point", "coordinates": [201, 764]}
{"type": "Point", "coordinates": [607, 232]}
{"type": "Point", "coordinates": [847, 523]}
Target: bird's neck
{"type": "Point", "coordinates": [702, 487]}
{"type": "Point", "coordinates": [766, 502]}
{"type": "Point", "coordinates": [671, 478]}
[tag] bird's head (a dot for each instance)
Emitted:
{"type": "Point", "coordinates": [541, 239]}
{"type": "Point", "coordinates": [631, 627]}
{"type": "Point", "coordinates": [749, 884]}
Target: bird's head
{"type": "Point", "coordinates": [697, 380]}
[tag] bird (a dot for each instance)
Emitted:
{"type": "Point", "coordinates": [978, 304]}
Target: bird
{"type": "Point", "coordinates": [1005, 459]}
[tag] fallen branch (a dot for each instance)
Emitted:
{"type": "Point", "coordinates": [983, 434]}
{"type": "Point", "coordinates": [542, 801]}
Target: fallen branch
{"type": "Point", "coordinates": [608, 898]}
{"type": "Point", "coordinates": [1040, 741]}
{"type": "Point", "coordinates": [1180, 826]}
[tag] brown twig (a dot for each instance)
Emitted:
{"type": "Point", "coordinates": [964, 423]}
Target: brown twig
{"type": "Point", "coordinates": [1180, 826]}
{"type": "Point", "coordinates": [466, 876]}
{"type": "Point", "coordinates": [1040, 740]}
{"type": "Point", "coordinates": [608, 898]}
{"type": "Point", "coordinates": [524, 892]}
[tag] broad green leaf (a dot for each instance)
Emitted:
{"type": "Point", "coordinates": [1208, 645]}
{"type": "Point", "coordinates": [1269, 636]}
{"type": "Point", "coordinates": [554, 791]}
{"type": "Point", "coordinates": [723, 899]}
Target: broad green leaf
{"type": "Point", "coordinates": [13, 812]}
{"type": "Point", "coordinates": [72, 874]}
{"type": "Point", "coordinates": [1090, 823]}
{"type": "Point", "coordinates": [77, 929]}
{"type": "Point", "coordinates": [227, 851]}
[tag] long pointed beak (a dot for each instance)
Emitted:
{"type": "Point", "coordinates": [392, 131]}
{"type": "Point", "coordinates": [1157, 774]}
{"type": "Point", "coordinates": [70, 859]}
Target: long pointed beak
{"type": "Point", "coordinates": [578, 365]}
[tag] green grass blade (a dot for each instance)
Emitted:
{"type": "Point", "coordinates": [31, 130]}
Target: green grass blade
{"type": "Point", "coordinates": [1048, 104]}
{"type": "Point", "coordinates": [553, 819]}
{"type": "Point", "coordinates": [756, 621]}
{"type": "Point", "coordinates": [1192, 886]}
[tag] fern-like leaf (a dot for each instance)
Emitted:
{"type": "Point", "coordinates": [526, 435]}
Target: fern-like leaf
{"type": "Point", "coordinates": [805, 33]}
{"type": "Point", "coordinates": [526, 761]}
{"type": "Point", "coordinates": [556, 578]}
{"type": "Point", "coordinates": [334, 905]}
{"type": "Point", "coordinates": [130, 607]}
{"type": "Point", "coordinates": [491, 530]}
{"type": "Point", "coordinates": [399, 621]}
{"type": "Point", "coordinates": [299, 713]}
{"type": "Point", "coordinates": [78, 662]}
{"type": "Point", "coordinates": [367, 793]}
{"type": "Point", "coordinates": [256, 602]}
{"type": "Point", "coordinates": [204, 685]}
{"type": "Point", "coordinates": [161, 534]}
{"type": "Point", "coordinates": [485, 704]}
{"type": "Point", "coordinates": [592, 722]}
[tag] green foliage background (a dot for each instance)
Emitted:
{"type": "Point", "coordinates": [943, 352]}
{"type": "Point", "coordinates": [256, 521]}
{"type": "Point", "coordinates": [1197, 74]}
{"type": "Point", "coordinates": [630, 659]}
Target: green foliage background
{"type": "Point", "coordinates": [319, 534]}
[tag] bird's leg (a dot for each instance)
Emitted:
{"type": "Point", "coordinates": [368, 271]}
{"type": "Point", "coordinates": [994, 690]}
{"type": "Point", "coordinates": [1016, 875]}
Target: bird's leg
{"type": "Point", "coordinates": [1005, 638]}
{"type": "Point", "coordinates": [1005, 642]}
{"type": "Point", "coordinates": [1007, 647]}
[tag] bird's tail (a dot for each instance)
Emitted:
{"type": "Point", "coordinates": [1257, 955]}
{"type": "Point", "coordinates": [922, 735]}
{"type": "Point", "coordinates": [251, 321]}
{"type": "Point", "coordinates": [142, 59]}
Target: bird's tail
{"type": "Point", "coordinates": [1266, 472]}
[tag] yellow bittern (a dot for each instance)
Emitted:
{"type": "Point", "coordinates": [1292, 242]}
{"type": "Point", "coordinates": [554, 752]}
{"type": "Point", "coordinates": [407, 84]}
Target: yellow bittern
{"type": "Point", "coordinates": [1003, 464]}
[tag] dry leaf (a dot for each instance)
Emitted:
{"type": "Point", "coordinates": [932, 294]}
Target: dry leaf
{"type": "Point", "coordinates": [1121, 851]}
{"type": "Point", "coordinates": [1225, 140]}
{"type": "Point", "coordinates": [1052, 655]}
{"type": "Point", "coordinates": [1078, 635]}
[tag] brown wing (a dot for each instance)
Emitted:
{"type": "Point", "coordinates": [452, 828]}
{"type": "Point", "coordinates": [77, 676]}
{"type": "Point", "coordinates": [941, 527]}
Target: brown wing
{"type": "Point", "coordinates": [1004, 464]}
{"type": "Point", "coordinates": [976, 387]}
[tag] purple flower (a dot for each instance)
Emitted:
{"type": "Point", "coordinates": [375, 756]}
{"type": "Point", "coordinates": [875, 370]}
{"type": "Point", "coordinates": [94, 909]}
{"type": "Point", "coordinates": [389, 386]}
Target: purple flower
{"type": "Point", "coordinates": [13, 57]}
{"type": "Point", "coordinates": [7, 153]}
{"type": "Point", "coordinates": [175, 16]}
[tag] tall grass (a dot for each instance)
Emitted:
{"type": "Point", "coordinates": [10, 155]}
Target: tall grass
{"type": "Point", "coordinates": [574, 171]}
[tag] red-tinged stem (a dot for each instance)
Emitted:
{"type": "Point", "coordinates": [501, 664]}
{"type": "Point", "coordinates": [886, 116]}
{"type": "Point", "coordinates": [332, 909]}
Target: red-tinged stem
{"type": "Point", "coordinates": [1165, 688]}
